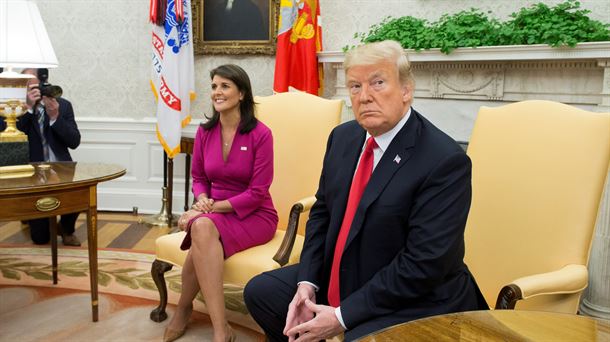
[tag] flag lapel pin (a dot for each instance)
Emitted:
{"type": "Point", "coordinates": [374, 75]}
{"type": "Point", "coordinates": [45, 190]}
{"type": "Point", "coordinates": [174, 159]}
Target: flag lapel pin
{"type": "Point", "coordinates": [244, 148]}
{"type": "Point", "coordinates": [397, 159]}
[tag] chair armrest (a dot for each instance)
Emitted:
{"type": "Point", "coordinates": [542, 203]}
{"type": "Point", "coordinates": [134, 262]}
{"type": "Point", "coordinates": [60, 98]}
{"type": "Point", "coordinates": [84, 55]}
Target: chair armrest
{"type": "Point", "coordinates": [283, 253]}
{"type": "Point", "coordinates": [569, 279]}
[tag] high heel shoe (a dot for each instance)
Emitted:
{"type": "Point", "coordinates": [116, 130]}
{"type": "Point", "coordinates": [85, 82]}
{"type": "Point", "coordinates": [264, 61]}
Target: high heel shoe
{"type": "Point", "coordinates": [171, 335]}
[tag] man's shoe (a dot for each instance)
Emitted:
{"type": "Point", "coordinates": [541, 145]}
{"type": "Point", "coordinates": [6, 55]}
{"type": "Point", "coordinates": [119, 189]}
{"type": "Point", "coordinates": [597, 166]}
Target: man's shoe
{"type": "Point", "coordinates": [70, 240]}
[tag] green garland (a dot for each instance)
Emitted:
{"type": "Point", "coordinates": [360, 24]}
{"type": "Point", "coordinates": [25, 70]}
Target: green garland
{"type": "Point", "coordinates": [562, 25]}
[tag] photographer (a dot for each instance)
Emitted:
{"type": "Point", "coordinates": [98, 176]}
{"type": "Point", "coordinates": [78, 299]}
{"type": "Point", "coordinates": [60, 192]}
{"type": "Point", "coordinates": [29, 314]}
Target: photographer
{"type": "Point", "coordinates": [51, 129]}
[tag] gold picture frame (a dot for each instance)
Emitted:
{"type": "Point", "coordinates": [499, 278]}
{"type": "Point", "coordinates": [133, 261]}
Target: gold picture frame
{"type": "Point", "coordinates": [235, 39]}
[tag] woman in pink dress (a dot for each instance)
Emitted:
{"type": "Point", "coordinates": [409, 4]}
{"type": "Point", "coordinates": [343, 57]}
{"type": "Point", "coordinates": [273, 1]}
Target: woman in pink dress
{"type": "Point", "coordinates": [232, 171]}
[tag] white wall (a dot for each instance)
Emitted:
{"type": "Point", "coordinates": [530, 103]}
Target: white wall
{"type": "Point", "coordinates": [103, 47]}
{"type": "Point", "coordinates": [342, 18]}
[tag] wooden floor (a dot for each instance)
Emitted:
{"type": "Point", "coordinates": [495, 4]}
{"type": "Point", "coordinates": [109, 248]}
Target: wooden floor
{"type": "Point", "coordinates": [115, 230]}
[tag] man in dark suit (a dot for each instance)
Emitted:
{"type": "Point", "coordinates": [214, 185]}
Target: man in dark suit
{"type": "Point", "coordinates": [384, 250]}
{"type": "Point", "coordinates": [51, 129]}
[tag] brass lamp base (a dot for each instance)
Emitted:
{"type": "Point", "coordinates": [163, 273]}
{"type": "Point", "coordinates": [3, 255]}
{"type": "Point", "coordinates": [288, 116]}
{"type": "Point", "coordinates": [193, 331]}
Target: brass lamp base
{"type": "Point", "coordinates": [10, 111]}
{"type": "Point", "coordinates": [13, 137]}
{"type": "Point", "coordinates": [161, 219]}
{"type": "Point", "coordinates": [13, 90]}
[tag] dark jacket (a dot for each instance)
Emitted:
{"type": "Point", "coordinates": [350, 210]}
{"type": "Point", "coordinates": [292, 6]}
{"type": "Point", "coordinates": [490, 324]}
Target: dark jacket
{"type": "Point", "coordinates": [62, 135]}
{"type": "Point", "coordinates": [404, 253]}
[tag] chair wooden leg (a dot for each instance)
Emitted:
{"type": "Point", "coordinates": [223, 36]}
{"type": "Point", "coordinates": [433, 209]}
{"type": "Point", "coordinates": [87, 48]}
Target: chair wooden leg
{"type": "Point", "coordinates": [157, 271]}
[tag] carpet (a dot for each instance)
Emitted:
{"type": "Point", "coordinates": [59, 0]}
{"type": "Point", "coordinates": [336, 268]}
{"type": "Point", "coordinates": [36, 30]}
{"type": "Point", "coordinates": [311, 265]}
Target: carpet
{"type": "Point", "coordinates": [124, 277]}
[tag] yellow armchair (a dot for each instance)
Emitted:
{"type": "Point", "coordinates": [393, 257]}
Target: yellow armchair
{"type": "Point", "coordinates": [538, 173]}
{"type": "Point", "coordinates": [300, 124]}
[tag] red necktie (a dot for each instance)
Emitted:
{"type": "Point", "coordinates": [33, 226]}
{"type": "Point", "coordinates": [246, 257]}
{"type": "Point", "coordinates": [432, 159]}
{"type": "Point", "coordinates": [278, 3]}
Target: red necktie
{"type": "Point", "coordinates": [361, 178]}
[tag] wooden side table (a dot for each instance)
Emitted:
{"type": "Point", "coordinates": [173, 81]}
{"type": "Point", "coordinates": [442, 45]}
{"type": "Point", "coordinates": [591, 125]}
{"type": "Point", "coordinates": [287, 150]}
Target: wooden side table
{"type": "Point", "coordinates": [497, 325]}
{"type": "Point", "coordinates": [55, 189]}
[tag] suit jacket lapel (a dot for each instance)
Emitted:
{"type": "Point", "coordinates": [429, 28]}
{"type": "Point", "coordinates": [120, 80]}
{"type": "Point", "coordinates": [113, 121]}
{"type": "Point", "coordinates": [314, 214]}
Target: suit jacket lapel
{"type": "Point", "coordinates": [345, 171]}
{"type": "Point", "coordinates": [396, 156]}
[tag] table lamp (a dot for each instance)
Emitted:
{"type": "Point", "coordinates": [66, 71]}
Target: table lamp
{"type": "Point", "coordinates": [24, 43]}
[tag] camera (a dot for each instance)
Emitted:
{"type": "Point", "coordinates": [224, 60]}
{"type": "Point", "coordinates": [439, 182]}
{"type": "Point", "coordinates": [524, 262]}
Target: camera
{"type": "Point", "coordinates": [46, 88]}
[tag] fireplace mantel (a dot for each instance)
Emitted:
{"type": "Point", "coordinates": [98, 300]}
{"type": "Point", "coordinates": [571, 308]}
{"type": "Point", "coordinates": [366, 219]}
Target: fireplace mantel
{"type": "Point", "coordinates": [578, 76]}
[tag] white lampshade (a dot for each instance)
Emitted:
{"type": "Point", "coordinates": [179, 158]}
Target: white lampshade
{"type": "Point", "coordinates": [24, 42]}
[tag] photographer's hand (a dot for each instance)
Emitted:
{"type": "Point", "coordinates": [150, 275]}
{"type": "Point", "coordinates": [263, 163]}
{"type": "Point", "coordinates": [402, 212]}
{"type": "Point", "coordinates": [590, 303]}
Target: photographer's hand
{"type": "Point", "coordinates": [33, 96]}
{"type": "Point", "coordinates": [52, 107]}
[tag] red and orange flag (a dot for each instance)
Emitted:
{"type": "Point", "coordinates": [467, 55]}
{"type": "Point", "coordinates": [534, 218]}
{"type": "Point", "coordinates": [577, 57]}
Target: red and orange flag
{"type": "Point", "coordinates": [299, 39]}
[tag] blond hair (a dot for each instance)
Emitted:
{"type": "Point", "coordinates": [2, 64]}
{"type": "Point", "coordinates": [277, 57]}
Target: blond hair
{"type": "Point", "coordinates": [373, 53]}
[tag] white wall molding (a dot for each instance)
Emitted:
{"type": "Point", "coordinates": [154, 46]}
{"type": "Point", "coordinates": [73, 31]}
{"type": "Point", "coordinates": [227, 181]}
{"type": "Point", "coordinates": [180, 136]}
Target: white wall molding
{"type": "Point", "coordinates": [132, 144]}
{"type": "Point", "coordinates": [590, 50]}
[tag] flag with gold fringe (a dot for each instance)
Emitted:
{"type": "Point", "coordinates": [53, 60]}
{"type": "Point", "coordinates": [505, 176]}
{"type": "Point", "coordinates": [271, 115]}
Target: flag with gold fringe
{"type": "Point", "coordinates": [299, 39]}
{"type": "Point", "coordinates": [173, 77]}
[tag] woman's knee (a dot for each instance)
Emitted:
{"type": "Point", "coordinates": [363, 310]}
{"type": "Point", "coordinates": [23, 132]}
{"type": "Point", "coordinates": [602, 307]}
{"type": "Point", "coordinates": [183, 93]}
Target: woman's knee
{"type": "Point", "coordinates": [204, 229]}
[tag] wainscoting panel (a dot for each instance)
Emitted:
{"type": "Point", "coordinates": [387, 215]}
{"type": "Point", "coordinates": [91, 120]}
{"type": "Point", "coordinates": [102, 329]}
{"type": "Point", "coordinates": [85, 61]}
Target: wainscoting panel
{"type": "Point", "coordinates": [132, 144]}
{"type": "Point", "coordinates": [120, 152]}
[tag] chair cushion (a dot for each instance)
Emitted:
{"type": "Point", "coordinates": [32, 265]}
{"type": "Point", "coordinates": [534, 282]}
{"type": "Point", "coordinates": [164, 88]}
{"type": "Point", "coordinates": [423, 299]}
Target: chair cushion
{"type": "Point", "coordinates": [240, 267]}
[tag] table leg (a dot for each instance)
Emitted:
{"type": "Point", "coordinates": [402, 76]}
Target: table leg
{"type": "Point", "coordinates": [92, 246]}
{"type": "Point", "coordinates": [187, 180]}
{"type": "Point", "coordinates": [53, 232]}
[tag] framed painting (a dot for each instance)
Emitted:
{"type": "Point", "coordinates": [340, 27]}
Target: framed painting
{"type": "Point", "coordinates": [235, 26]}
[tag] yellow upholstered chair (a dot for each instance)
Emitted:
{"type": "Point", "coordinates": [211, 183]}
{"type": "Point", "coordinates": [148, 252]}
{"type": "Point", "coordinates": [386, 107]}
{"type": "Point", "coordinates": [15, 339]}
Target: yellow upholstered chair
{"type": "Point", "coordinates": [538, 173]}
{"type": "Point", "coordinates": [300, 124]}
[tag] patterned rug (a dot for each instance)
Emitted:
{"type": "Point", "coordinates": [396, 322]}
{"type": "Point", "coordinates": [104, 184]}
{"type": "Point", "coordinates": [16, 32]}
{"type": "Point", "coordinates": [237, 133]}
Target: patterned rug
{"type": "Point", "coordinates": [120, 272]}
{"type": "Point", "coordinates": [124, 273]}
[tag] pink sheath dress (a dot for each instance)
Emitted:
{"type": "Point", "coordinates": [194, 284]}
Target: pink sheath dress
{"type": "Point", "coordinates": [243, 179]}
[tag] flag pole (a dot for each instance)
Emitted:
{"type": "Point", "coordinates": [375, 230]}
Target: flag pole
{"type": "Point", "coordinates": [164, 218]}
{"type": "Point", "coordinates": [173, 85]}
